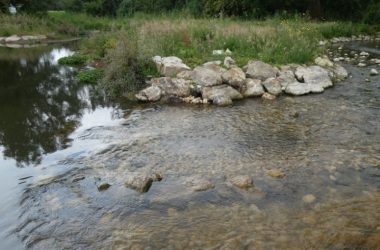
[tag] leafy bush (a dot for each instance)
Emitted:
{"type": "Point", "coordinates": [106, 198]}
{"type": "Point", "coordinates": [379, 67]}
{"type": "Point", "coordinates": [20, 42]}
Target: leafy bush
{"type": "Point", "coordinates": [90, 76]}
{"type": "Point", "coordinates": [74, 60]}
{"type": "Point", "coordinates": [372, 15]}
{"type": "Point", "coordinates": [126, 69]}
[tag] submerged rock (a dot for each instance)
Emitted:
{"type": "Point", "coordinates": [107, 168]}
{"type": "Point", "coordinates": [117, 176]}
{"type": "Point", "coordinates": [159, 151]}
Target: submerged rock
{"type": "Point", "coordinates": [78, 178]}
{"type": "Point", "coordinates": [170, 66]}
{"type": "Point", "coordinates": [260, 70]}
{"type": "Point", "coordinates": [276, 173]}
{"type": "Point", "coordinates": [242, 181]}
{"type": "Point", "coordinates": [272, 86]}
{"type": "Point", "coordinates": [253, 87]}
{"type": "Point", "coordinates": [309, 198]}
{"type": "Point", "coordinates": [199, 184]}
{"type": "Point", "coordinates": [140, 183]}
{"type": "Point", "coordinates": [151, 94]}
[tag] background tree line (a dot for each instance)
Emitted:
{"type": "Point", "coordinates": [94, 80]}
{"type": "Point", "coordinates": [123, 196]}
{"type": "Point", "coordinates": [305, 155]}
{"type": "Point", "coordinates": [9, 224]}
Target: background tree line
{"type": "Point", "coordinates": [353, 10]}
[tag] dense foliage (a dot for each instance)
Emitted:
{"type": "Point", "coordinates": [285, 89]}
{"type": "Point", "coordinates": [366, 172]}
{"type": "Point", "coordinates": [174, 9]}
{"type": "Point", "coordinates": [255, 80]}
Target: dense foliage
{"type": "Point", "coordinates": [353, 10]}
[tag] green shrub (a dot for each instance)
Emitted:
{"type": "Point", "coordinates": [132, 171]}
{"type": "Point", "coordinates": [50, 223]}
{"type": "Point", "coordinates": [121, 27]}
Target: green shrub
{"type": "Point", "coordinates": [74, 60]}
{"type": "Point", "coordinates": [126, 69]}
{"type": "Point", "coordinates": [96, 46]}
{"type": "Point", "coordinates": [372, 15]}
{"type": "Point", "coordinates": [91, 76]}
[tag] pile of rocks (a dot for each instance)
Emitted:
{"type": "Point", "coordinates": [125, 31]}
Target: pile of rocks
{"type": "Point", "coordinates": [222, 83]}
{"type": "Point", "coordinates": [22, 39]}
{"type": "Point", "coordinates": [348, 39]}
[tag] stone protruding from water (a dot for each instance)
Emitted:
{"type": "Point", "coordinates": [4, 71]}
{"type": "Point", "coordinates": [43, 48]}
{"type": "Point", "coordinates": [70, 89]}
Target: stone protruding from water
{"type": "Point", "coordinates": [213, 83]}
{"type": "Point", "coordinates": [374, 72]}
{"type": "Point", "coordinates": [103, 186]}
{"type": "Point", "coordinates": [141, 184]}
{"type": "Point", "coordinates": [242, 181]}
{"type": "Point", "coordinates": [150, 94]}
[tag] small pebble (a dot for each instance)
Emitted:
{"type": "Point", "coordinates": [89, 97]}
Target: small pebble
{"type": "Point", "coordinates": [242, 181]}
{"type": "Point", "coordinates": [103, 186]}
{"type": "Point", "coordinates": [268, 96]}
{"type": "Point", "coordinates": [276, 173]}
{"type": "Point", "coordinates": [309, 198]}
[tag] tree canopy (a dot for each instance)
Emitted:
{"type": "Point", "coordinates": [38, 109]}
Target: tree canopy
{"type": "Point", "coordinates": [353, 10]}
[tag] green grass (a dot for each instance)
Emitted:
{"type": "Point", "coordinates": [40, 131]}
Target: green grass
{"type": "Point", "coordinates": [56, 24]}
{"type": "Point", "coordinates": [74, 60]}
{"type": "Point", "coordinates": [23, 25]}
{"type": "Point", "coordinates": [91, 76]}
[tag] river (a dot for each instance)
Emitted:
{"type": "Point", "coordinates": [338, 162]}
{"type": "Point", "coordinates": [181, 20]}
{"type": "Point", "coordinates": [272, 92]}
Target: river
{"type": "Point", "coordinates": [57, 138]}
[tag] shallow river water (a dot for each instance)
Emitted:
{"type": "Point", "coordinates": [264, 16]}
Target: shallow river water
{"type": "Point", "coordinates": [57, 140]}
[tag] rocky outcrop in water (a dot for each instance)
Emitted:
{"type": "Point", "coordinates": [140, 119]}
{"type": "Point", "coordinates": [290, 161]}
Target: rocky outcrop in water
{"type": "Point", "coordinates": [220, 84]}
{"type": "Point", "coordinates": [242, 181]}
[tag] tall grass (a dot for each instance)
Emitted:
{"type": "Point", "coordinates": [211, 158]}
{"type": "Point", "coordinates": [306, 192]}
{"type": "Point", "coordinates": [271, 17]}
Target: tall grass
{"type": "Point", "coordinates": [194, 40]}
{"type": "Point", "coordinates": [23, 24]}
{"type": "Point", "coordinates": [56, 23]}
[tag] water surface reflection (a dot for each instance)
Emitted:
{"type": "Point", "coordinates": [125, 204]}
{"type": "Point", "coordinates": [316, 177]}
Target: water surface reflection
{"type": "Point", "coordinates": [40, 104]}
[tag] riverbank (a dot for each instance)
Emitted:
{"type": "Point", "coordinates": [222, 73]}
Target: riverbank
{"type": "Point", "coordinates": [123, 47]}
{"type": "Point", "coordinates": [126, 56]}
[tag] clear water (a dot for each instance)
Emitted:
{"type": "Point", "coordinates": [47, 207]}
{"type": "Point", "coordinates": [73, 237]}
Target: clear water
{"type": "Point", "coordinates": [53, 129]}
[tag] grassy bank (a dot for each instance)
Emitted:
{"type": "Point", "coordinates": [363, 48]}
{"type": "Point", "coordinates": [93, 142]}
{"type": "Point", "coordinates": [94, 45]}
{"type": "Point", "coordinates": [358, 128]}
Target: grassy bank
{"type": "Point", "coordinates": [273, 41]}
{"type": "Point", "coordinates": [125, 45]}
{"type": "Point", "coordinates": [55, 24]}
